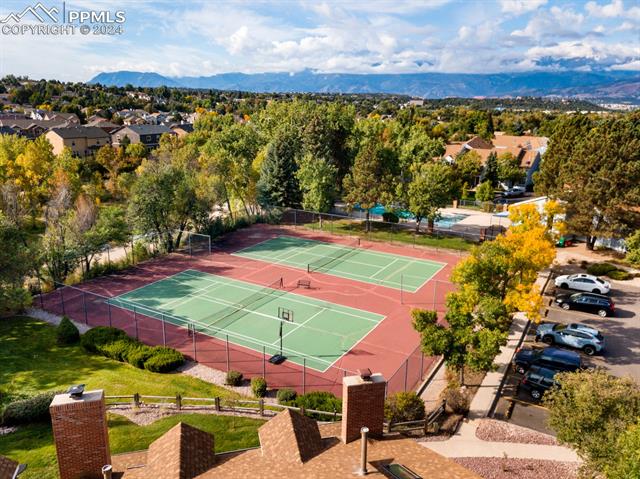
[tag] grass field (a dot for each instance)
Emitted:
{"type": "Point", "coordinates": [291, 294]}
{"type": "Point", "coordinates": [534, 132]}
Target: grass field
{"type": "Point", "coordinates": [219, 306]}
{"type": "Point", "coordinates": [389, 233]}
{"type": "Point", "coordinates": [32, 362]}
{"type": "Point", "coordinates": [352, 262]}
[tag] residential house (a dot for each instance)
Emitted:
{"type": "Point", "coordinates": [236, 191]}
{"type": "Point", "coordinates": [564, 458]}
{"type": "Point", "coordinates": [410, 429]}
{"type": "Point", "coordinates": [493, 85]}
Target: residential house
{"type": "Point", "coordinates": [103, 123]}
{"type": "Point", "coordinates": [7, 130]}
{"type": "Point", "coordinates": [182, 129]}
{"type": "Point", "coordinates": [83, 141]}
{"type": "Point", "coordinates": [32, 128]}
{"type": "Point", "coordinates": [527, 149]}
{"type": "Point", "coordinates": [291, 445]}
{"type": "Point", "coordinates": [47, 115]}
{"type": "Point", "coordinates": [148, 135]}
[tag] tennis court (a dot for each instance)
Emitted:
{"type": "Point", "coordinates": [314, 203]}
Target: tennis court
{"type": "Point", "coordinates": [313, 332]}
{"type": "Point", "coordinates": [348, 261]}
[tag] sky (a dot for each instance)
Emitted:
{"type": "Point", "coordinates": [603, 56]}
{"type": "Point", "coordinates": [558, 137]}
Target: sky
{"type": "Point", "coordinates": [205, 37]}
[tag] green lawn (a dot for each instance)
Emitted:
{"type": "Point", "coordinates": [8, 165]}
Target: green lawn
{"type": "Point", "coordinates": [32, 362]}
{"type": "Point", "coordinates": [385, 232]}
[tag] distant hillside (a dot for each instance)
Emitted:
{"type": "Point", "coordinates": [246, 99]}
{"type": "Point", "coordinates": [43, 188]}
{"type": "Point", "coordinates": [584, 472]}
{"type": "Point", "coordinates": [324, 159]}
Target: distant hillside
{"type": "Point", "coordinates": [427, 85]}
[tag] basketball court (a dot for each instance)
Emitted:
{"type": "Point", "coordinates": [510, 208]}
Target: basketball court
{"type": "Point", "coordinates": [268, 320]}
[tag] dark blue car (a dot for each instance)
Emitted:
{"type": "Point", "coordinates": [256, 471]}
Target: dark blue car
{"type": "Point", "coordinates": [550, 358]}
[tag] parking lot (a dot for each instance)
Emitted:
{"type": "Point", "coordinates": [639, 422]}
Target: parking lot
{"type": "Point", "coordinates": [621, 356]}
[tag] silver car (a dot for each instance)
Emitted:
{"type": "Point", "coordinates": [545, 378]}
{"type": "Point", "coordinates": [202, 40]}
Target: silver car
{"type": "Point", "coordinates": [583, 282]}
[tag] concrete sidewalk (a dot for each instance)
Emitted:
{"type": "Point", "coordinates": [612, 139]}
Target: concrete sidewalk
{"type": "Point", "coordinates": [465, 443]}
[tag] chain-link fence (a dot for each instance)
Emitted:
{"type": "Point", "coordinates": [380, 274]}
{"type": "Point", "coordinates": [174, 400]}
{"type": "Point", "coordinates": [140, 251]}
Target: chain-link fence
{"type": "Point", "coordinates": [401, 233]}
{"type": "Point", "coordinates": [218, 348]}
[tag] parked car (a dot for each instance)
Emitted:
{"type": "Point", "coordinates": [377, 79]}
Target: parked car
{"type": "Point", "coordinates": [573, 335]}
{"type": "Point", "coordinates": [552, 358]}
{"type": "Point", "coordinates": [514, 192]}
{"type": "Point", "coordinates": [589, 302]}
{"type": "Point", "coordinates": [583, 282]}
{"type": "Point", "coordinates": [538, 380]}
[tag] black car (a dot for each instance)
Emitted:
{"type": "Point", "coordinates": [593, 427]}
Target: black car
{"type": "Point", "coordinates": [590, 302]}
{"type": "Point", "coordinates": [538, 380]}
{"type": "Point", "coordinates": [551, 358]}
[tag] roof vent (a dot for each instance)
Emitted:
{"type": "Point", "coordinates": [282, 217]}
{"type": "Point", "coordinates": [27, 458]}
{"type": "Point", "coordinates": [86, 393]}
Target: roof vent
{"type": "Point", "coordinates": [76, 391]}
{"type": "Point", "coordinates": [365, 374]}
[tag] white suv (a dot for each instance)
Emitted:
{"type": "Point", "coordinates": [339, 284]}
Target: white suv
{"type": "Point", "coordinates": [583, 282]}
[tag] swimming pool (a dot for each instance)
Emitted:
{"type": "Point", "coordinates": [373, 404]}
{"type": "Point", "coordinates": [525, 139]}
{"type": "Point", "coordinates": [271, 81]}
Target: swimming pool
{"type": "Point", "coordinates": [447, 220]}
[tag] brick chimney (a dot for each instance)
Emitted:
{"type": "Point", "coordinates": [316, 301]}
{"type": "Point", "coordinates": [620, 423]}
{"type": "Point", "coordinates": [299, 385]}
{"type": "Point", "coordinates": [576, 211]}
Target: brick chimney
{"type": "Point", "coordinates": [362, 405]}
{"type": "Point", "coordinates": [80, 434]}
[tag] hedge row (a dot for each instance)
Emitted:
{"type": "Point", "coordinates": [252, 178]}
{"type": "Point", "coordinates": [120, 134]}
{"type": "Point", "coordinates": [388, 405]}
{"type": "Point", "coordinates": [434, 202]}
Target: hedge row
{"type": "Point", "coordinates": [115, 344]}
{"type": "Point", "coordinates": [28, 410]}
{"type": "Point", "coordinates": [316, 400]}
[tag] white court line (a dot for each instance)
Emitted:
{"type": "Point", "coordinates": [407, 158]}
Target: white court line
{"type": "Point", "coordinates": [305, 302]}
{"type": "Point", "coordinates": [219, 330]}
{"type": "Point", "coordinates": [300, 325]}
{"type": "Point", "coordinates": [385, 267]}
{"type": "Point", "coordinates": [210, 287]}
{"type": "Point", "coordinates": [302, 265]}
{"type": "Point", "coordinates": [373, 252]}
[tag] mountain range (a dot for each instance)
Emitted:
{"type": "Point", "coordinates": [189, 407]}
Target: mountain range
{"type": "Point", "coordinates": [602, 84]}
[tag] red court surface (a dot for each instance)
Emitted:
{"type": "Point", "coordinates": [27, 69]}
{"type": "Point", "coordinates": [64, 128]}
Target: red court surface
{"type": "Point", "coordinates": [391, 348]}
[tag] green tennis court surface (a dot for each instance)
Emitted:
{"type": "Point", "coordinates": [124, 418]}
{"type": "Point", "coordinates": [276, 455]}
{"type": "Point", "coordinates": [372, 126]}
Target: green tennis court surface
{"type": "Point", "coordinates": [249, 315]}
{"type": "Point", "coordinates": [348, 261]}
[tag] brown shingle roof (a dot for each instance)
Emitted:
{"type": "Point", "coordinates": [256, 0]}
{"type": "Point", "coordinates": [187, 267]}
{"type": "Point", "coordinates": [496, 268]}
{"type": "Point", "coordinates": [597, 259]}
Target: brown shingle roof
{"type": "Point", "coordinates": [80, 132]}
{"type": "Point", "coordinates": [7, 468]}
{"type": "Point", "coordinates": [183, 452]}
{"type": "Point", "coordinates": [478, 143]}
{"type": "Point", "coordinates": [292, 432]}
{"type": "Point", "coordinates": [335, 460]}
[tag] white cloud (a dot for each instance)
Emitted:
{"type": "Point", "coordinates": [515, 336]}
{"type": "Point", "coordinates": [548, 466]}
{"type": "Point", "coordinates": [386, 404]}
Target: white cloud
{"type": "Point", "coordinates": [592, 50]}
{"type": "Point", "coordinates": [553, 23]}
{"type": "Point", "coordinates": [610, 10]}
{"type": "Point", "coordinates": [518, 7]}
{"type": "Point", "coordinates": [632, 65]}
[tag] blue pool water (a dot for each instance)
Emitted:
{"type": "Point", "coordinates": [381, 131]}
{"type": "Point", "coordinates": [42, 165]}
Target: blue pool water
{"type": "Point", "coordinates": [447, 221]}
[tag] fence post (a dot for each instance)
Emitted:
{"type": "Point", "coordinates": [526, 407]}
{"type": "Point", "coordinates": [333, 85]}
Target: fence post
{"type": "Point", "coordinates": [164, 331]}
{"type": "Point", "coordinates": [227, 348]}
{"type": "Point", "coordinates": [136, 399]}
{"type": "Point", "coordinates": [261, 405]}
{"type": "Point", "coordinates": [189, 240]}
{"type": "Point", "coordinates": [62, 301]}
{"type": "Point", "coordinates": [84, 307]}
{"type": "Point", "coordinates": [178, 401]}
{"type": "Point", "coordinates": [209, 237]}
{"type": "Point", "coordinates": [264, 362]}
{"type": "Point", "coordinates": [406, 373]}
{"type": "Point", "coordinates": [216, 403]}
{"type": "Point", "coordinates": [302, 410]}
{"type": "Point", "coordinates": [195, 352]}
{"type": "Point", "coordinates": [109, 312]}
{"type": "Point", "coordinates": [295, 218]}
{"type": "Point", "coordinates": [135, 319]}
{"type": "Point", "coordinates": [304, 374]}
{"type": "Point", "coordinates": [421, 364]}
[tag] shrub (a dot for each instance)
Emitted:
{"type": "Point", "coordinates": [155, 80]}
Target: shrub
{"type": "Point", "coordinates": [484, 192]}
{"type": "Point", "coordinates": [118, 350]}
{"type": "Point", "coordinates": [620, 275]}
{"type": "Point", "coordinates": [138, 354]}
{"type": "Point", "coordinates": [66, 332]}
{"type": "Point", "coordinates": [234, 378]}
{"type": "Point", "coordinates": [404, 406]}
{"type": "Point", "coordinates": [14, 300]}
{"type": "Point", "coordinates": [286, 396]}
{"type": "Point", "coordinates": [164, 360]}
{"type": "Point", "coordinates": [96, 337]}
{"type": "Point", "coordinates": [25, 411]}
{"type": "Point", "coordinates": [633, 248]}
{"type": "Point", "coordinates": [601, 269]}
{"type": "Point", "coordinates": [259, 386]}
{"type": "Point", "coordinates": [456, 400]}
{"type": "Point", "coordinates": [390, 217]}
{"type": "Point", "coordinates": [320, 401]}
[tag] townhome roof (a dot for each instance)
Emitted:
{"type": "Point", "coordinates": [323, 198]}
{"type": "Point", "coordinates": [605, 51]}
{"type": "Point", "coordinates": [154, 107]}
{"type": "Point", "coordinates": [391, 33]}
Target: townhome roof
{"type": "Point", "coordinates": [149, 129]}
{"type": "Point", "coordinates": [80, 132]}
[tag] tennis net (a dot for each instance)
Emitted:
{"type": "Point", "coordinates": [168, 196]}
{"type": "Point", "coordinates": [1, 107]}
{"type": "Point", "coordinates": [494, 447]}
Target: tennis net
{"type": "Point", "coordinates": [238, 310]}
{"type": "Point", "coordinates": [341, 253]}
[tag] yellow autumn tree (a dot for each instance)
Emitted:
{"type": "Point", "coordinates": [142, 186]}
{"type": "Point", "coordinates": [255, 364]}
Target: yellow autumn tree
{"type": "Point", "coordinates": [507, 268]}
